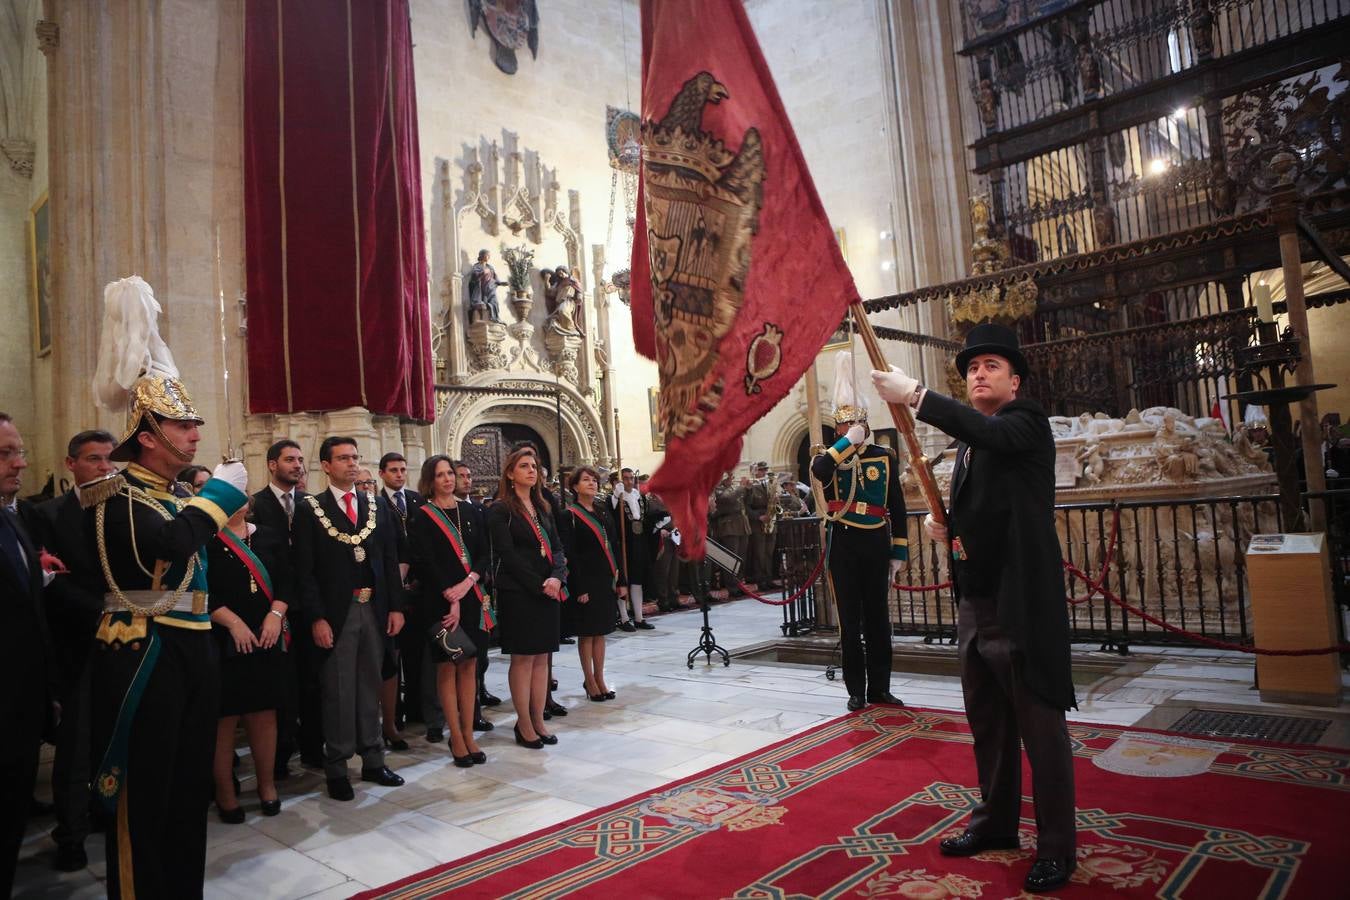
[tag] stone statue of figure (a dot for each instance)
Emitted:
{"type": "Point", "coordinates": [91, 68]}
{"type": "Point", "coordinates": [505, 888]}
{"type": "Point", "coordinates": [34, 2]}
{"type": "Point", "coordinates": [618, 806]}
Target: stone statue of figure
{"type": "Point", "coordinates": [480, 285]}
{"type": "Point", "coordinates": [562, 295]}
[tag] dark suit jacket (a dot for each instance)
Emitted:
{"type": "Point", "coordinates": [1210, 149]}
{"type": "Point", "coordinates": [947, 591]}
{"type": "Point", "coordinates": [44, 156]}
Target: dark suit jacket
{"type": "Point", "coordinates": [1003, 510]}
{"type": "Point", "coordinates": [326, 569]}
{"type": "Point", "coordinates": [435, 564]}
{"type": "Point", "coordinates": [517, 563]}
{"type": "Point", "coordinates": [412, 500]}
{"type": "Point", "coordinates": [25, 664]}
{"type": "Point", "coordinates": [267, 510]}
{"type": "Point", "coordinates": [74, 601]}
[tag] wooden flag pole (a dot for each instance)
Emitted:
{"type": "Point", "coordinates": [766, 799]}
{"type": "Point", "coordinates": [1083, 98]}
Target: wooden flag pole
{"type": "Point", "coordinates": [904, 421]}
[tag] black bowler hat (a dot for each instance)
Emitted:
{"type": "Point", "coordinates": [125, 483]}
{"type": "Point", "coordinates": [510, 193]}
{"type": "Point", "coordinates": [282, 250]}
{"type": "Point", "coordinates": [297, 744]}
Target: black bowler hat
{"type": "Point", "coordinates": [999, 340]}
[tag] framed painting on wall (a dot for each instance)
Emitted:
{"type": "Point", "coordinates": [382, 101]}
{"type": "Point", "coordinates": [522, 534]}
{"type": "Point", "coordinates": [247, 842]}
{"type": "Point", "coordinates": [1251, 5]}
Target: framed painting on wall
{"type": "Point", "coordinates": [658, 439]}
{"type": "Point", "coordinates": [40, 275]}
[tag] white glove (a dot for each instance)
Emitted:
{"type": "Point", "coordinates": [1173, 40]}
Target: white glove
{"type": "Point", "coordinates": [857, 434]}
{"type": "Point", "coordinates": [895, 386]}
{"type": "Point", "coordinates": [936, 533]}
{"type": "Point", "coordinates": [897, 566]}
{"type": "Point", "coordinates": [234, 473]}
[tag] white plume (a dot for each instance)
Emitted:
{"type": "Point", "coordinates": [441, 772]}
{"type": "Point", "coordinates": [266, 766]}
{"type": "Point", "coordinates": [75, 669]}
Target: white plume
{"type": "Point", "coordinates": [844, 394]}
{"type": "Point", "coordinates": [130, 345]}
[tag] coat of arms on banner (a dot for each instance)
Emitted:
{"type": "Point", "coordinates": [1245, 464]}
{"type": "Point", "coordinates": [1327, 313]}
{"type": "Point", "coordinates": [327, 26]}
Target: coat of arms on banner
{"type": "Point", "coordinates": [702, 207]}
{"type": "Point", "coordinates": [511, 24]}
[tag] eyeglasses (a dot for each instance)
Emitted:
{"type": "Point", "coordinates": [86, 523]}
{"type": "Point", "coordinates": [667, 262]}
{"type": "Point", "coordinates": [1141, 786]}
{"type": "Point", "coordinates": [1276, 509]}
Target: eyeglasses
{"type": "Point", "coordinates": [8, 453]}
{"type": "Point", "coordinates": [370, 483]}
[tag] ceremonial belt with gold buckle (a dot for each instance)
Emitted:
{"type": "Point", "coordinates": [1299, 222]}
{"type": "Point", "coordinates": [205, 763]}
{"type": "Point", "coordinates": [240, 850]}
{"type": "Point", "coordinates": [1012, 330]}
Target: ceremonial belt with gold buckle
{"type": "Point", "coordinates": [860, 508]}
{"type": "Point", "coordinates": [363, 595]}
{"type": "Point", "coordinates": [156, 603]}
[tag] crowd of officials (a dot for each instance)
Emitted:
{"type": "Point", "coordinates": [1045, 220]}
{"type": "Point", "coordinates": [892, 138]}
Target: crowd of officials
{"type": "Point", "coordinates": [341, 616]}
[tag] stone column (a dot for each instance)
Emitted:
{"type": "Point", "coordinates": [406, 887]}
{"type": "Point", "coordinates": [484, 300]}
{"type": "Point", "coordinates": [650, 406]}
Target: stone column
{"type": "Point", "coordinates": [603, 346]}
{"type": "Point", "coordinates": [145, 127]}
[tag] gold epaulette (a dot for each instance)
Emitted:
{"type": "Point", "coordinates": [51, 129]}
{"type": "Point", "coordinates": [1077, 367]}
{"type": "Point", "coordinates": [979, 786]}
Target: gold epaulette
{"type": "Point", "coordinates": [101, 490]}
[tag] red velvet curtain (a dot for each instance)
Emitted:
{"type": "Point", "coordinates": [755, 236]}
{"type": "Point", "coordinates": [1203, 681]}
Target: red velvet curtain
{"type": "Point", "coordinates": [337, 276]}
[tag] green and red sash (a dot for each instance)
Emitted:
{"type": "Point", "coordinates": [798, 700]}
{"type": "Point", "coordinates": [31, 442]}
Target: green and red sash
{"type": "Point", "coordinates": [598, 530]}
{"type": "Point", "coordinates": [544, 547]}
{"type": "Point", "coordinates": [485, 619]}
{"type": "Point", "coordinates": [250, 560]}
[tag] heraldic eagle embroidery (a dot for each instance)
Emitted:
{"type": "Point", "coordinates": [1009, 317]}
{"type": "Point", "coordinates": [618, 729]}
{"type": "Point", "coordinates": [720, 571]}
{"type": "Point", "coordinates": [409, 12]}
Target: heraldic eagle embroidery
{"type": "Point", "coordinates": [702, 207]}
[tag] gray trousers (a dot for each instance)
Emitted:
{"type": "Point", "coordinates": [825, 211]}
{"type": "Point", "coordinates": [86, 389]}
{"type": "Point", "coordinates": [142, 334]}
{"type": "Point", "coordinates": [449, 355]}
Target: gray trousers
{"type": "Point", "coordinates": [351, 694]}
{"type": "Point", "coordinates": [1004, 714]}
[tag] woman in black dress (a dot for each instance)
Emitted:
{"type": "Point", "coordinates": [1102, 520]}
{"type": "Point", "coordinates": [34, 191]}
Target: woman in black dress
{"type": "Point", "coordinates": [449, 559]}
{"type": "Point", "coordinates": [529, 572]}
{"type": "Point", "coordinates": [249, 574]}
{"type": "Point", "coordinates": [592, 581]}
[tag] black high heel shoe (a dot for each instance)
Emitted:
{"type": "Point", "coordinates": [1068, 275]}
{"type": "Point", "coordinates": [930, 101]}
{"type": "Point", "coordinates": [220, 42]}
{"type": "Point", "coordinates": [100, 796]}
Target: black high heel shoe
{"type": "Point", "coordinates": [464, 761]}
{"type": "Point", "coordinates": [596, 698]}
{"type": "Point", "coordinates": [554, 708]}
{"type": "Point", "coordinates": [478, 757]}
{"type": "Point", "coordinates": [232, 816]}
{"type": "Point", "coordinates": [609, 695]}
{"type": "Point", "coordinates": [271, 807]}
{"type": "Point", "coordinates": [549, 739]}
{"type": "Point", "coordinates": [536, 744]}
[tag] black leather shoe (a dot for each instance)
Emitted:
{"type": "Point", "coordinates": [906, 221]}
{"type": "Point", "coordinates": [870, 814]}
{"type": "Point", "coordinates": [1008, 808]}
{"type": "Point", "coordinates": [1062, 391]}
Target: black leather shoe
{"type": "Point", "coordinates": [549, 739]}
{"type": "Point", "coordinates": [397, 744]}
{"type": "Point", "coordinates": [646, 626]}
{"type": "Point", "coordinates": [479, 757]}
{"type": "Point", "coordinates": [383, 776]}
{"type": "Point", "coordinates": [1048, 874]}
{"type": "Point", "coordinates": [70, 858]}
{"type": "Point", "coordinates": [609, 695]}
{"type": "Point", "coordinates": [231, 816]}
{"type": "Point", "coordinates": [970, 843]}
{"type": "Point", "coordinates": [463, 762]}
{"type": "Point", "coordinates": [435, 736]}
{"type": "Point", "coordinates": [489, 699]}
{"type": "Point", "coordinates": [271, 807]}
{"type": "Point", "coordinates": [626, 626]}
{"type": "Point", "coordinates": [481, 724]}
{"type": "Point", "coordinates": [887, 698]}
{"type": "Point", "coordinates": [535, 744]}
{"type": "Point", "coordinates": [855, 703]}
{"type": "Point", "coordinates": [555, 708]}
{"type": "Point", "coordinates": [596, 698]}
{"type": "Point", "coordinates": [340, 789]}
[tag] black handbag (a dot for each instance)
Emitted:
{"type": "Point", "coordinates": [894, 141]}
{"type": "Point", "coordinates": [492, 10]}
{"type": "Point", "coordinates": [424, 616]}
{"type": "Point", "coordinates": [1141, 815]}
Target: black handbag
{"type": "Point", "coordinates": [454, 643]}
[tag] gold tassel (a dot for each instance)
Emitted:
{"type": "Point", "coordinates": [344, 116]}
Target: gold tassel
{"type": "Point", "coordinates": [101, 490]}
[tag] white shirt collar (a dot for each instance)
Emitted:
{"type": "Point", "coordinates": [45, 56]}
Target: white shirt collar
{"type": "Point", "coordinates": [279, 493]}
{"type": "Point", "coordinates": [338, 494]}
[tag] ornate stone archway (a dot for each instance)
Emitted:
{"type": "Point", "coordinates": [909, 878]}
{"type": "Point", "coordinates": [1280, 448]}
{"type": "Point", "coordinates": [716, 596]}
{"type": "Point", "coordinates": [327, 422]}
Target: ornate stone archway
{"type": "Point", "coordinates": [490, 398]}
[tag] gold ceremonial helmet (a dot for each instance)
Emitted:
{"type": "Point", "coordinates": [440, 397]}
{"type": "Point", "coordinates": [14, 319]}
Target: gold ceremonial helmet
{"type": "Point", "coordinates": [848, 413]}
{"type": "Point", "coordinates": [136, 371]}
{"type": "Point", "coordinates": [155, 395]}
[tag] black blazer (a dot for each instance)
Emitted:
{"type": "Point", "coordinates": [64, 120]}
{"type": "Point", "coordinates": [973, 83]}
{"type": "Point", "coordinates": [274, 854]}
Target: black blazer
{"type": "Point", "coordinates": [26, 665]}
{"type": "Point", "coordinates": [326, 569]}
{"type": "Point", "coordinates": [588, 568]}
{"type": "Point", "coordinates": [267, 510]}
{"type": "Point", "coordinates": [1003, 510]}
{"type": "Point", "coordinates": [74, 600]}
{"type": "Point", "coordinates": [435, 563]}
{"type": "Point", "coordinates": [517, 563]}
{"type": "Point", "coordinates": [229, 578]}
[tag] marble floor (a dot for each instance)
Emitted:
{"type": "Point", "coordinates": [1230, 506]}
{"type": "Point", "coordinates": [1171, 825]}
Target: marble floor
{"type": "Point", "coordinates": [667, 722]}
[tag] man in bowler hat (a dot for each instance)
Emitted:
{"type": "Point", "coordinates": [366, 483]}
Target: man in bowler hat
{"type": "Point", "coordinates": [1012, 622]}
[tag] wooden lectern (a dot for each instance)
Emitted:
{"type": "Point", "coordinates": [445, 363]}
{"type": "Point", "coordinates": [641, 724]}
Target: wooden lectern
{"type": "Point", "coordinates": [1293, 609]}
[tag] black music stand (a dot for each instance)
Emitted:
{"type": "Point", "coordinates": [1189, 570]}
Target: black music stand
{"type": "Point", "coordinates": [732, 564]}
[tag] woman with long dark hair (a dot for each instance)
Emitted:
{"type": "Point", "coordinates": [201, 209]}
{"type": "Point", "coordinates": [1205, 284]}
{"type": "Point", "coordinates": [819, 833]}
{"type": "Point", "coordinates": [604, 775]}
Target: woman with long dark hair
{"type": "Point", "coordinates": [449, 555]}
{"type": "Point", "coordinates": [593, 578]}
{"type": "Point", "coordinates": [529, 575]}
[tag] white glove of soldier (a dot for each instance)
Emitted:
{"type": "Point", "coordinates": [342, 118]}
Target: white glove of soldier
{"type": "Point", "coordinates": [936, 533]}
{"type": "Point", "coordinates": [897, 566]}
{"type": "Point", "coordinates": [895, 386]}
{"type": "Point", "coordinates": [234, 473]}
{"type": "Point", "coordinates": [857, 434]}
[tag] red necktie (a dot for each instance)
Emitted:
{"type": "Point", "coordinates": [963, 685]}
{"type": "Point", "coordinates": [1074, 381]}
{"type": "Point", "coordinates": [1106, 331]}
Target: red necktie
{"type": "Point", "coordinates": [351, 507]}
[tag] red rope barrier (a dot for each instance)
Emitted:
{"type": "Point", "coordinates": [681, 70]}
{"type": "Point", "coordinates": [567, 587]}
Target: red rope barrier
{"type": "Point", "coordinates": [806, 586]}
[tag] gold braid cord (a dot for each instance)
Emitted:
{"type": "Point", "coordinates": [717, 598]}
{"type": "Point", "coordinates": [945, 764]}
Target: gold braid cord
{"type": "Point", "coordinates": [136, 495]}
{"type": "Point", "coordinates": [852, 489]}
{"type": "Point", "coordinates": [342, 536]}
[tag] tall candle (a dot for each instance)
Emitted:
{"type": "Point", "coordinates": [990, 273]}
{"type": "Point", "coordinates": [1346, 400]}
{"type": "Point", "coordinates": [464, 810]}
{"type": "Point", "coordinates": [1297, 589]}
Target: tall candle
{"type": "Point", "coordinates": [1264, 309]}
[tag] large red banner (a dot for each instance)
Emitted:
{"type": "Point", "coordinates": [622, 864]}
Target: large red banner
{"type": "Point", "coordinates": [738, 280]}
{"type": "Point", "coordinates": [337, 274]}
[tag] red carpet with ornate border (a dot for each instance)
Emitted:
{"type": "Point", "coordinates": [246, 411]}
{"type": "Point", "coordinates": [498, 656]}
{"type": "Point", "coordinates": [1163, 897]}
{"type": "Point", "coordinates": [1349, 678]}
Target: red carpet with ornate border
{"type": "Point", "coordinates": [856, 807]}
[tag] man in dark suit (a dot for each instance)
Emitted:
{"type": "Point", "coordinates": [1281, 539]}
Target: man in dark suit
{"type": "Point", "coordinates": [407, 661]}
{"type": "Point", "coordinates": [74, 605]}
{"type": "Point", "coordinates": [1012, 621]}
{"type": "Point", "coordinates": [299, 718]}
{"type": "Point", "coordinates": [346, 553]}
{"type": "Point", "coordinates": [26, 708]}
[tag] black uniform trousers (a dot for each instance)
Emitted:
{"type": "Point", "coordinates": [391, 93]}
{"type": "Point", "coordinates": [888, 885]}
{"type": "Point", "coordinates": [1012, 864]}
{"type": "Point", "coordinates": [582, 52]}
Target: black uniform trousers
{"type": "Point", "coordinates": [859, 569]}
{"type": "Point", "coordinates": [18, 775]}
{"type": "Point", "coordinates": [1004, 714]}
{"type": "Point", "coordinates": [71, 765]}
{"type": "Point", "coordinates": [168, 786]}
